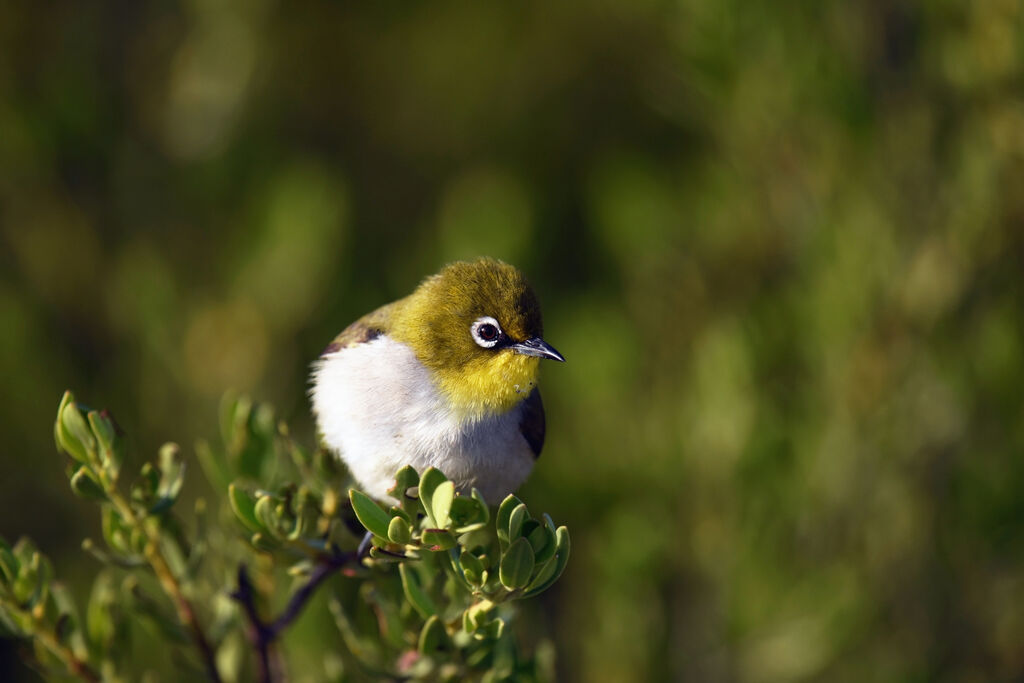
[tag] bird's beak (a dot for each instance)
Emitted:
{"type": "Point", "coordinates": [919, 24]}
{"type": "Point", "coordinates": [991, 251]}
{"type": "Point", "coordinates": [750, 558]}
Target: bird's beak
{"type": "Point", "coordinates": [539, 348]}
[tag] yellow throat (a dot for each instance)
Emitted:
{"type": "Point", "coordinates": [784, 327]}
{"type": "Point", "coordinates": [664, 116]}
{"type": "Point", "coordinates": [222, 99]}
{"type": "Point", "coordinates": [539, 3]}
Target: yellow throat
{"type": "Point", "coordinates": [480, 389]}
{"type": "Point", "coordinates": [435, 321]}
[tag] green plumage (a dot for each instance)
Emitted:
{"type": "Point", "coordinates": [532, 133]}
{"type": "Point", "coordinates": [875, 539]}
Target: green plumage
{"type": "Point", "coordinates": [434, 321]}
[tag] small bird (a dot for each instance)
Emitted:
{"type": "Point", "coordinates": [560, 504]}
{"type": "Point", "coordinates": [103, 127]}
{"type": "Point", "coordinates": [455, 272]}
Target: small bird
{"type": "Point", "coordinates": [445, 377]}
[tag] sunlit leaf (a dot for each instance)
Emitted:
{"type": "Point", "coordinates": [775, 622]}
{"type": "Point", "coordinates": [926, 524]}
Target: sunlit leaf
{"type": "Point", "coordinates": [441, 503]}
{"type": "Point", "coordinates": [370, 515]}
{"type": "Point", "coordinates": [406, 479]}
{"type": "Point", "coordinates": [438, 539]}
{"type": "Point", "coordinates": [557, 563]}
{"type": "Point", "coordinates": [414, 592]}
{"type": "Point", "coordinates": [432, 636]}
{"type": "Point", "coordinates": [72, 434]}
{"type": "Point", "coordinates": [429, 482]}
{"type": "Point", "coordinates": [516, 564]}
{"type": "Point", "coordinates": [504, 515]}
{"type": "Point", "coordinates": [516, 521]}
{"type": "Point", "coordinates": [399, 531]}
{"type": "Point", "coordinates": [243, 504]}
{"type": "Point", "coordinates": [472, 568]}
{"type": "Point", "coordinates": [172, 478]}
{"type": "Point", "coordinates": [85, 484]}
{"type": "Point", "coordinates": [103, 428]}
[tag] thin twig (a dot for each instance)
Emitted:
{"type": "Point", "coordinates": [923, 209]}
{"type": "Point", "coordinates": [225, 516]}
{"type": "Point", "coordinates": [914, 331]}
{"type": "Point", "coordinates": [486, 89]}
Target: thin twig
{"type": "Point", "coordinates": [75, 665]}
{"type": "Point", "coordinates": [301, 596]}
{"type": "Point", "coordinates": [263, 634]}
{"type": "Point", "coordinates": [168, 581]}
{"type": "Point", "coordinates": [244, 595]}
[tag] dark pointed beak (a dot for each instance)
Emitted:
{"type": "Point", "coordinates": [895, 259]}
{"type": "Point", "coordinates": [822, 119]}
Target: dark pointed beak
{"type": "Point", "coordinates": [539, 348]}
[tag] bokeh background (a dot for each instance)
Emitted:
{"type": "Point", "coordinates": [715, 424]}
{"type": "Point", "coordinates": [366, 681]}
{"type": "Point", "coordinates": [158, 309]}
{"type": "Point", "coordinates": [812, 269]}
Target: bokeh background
{"type": "Point", "coordinates": [781, 246]}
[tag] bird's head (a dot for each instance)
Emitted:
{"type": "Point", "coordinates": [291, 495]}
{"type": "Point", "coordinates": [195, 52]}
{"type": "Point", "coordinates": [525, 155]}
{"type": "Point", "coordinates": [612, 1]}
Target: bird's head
{"type": "Point", "coordinates": [477, 327]}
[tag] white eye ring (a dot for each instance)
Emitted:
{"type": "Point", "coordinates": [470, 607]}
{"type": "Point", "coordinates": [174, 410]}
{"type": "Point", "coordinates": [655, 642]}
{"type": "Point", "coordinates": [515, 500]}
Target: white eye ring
{"type": "Point", "coordinates": [486, 331]}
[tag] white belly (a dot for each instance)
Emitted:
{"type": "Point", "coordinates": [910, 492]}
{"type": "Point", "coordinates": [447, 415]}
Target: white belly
{"type": "Point", "coordinates": [377, 407]}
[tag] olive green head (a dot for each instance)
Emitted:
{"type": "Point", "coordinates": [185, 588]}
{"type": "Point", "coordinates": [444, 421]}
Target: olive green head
{"type": "Point", "coordinates": [477, 326]}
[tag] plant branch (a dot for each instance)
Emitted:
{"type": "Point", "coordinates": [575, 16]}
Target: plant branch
{"type": "Point", "coordinates": [71, 661]}
{"type": "Point", "coordinates": [263, 634]}
{"type": "Point", "coordinates": [186, 613]}
{"type": "Point", "coordinates": [51, 642]}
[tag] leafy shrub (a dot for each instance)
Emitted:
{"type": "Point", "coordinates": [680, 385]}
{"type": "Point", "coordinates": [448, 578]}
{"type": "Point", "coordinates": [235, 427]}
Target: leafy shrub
{"type": "Point", "coordinates": [423, 589]}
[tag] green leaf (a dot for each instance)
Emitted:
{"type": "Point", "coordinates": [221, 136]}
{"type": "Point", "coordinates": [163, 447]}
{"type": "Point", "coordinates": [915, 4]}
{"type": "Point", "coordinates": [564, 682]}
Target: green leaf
{"type": "Point", "coordinates": [25, 549]}
{"type": "Point", "coordinates": [561, 558]}
{"type": "Point", "coordinates": [228, 424]}
{"type": "Point", "coordinates": [327, 467]}
{"type": "Point", "coordinates": [472, 568]}
{"type": "Point", "coordinates": [476, 615]}
{"type": "Point", "coordinates": [492, 630]}
{"type": "Point", "coordinates": [213, 464]}
{"type": "Point", "coordinates": [85, 484]}
{"type": "Point", "coordinates": [516, 521]}
{"type": "Point", "coordinates": [468, 514]}
{"type": "Point", "coordinates": [414, 592]}
{"type": "Point", "coordinates": [75, 423]}
{"type": "Point", "coordinates": [429, 482]}
{"type": "Point", "coordinates": [60, 435]}
{"type": "Point", "coordinates": [263, 541]}
{"type": "Point", "coordinates": [382, 555]}
{"type": "Point", "coordinates": [396, 511]}
{"type": "Point", "coordinates": [516, 565]}
{"type": "Point", "coordinates": [47, 660]}
{"type": "Point", "coordinates": [9, 565]}
{"type": "Point", "coordinates": [543, 541]}
{"type": "Point", "coordinates": [243, 504]}
{"type": "Point", "coordinates": [31, 587]}
{"type": "Point", "coordinates": [504, 515]}
{"type": "Point", "coordinates": [441, 503]}
{"type": "Point", "coordinates": [143, 605]}
{"type": "Point", "coordinates": [64, 604]}
{"type": "Point", "coordinates": [13, 626]}
{"type": "Point", "coordinates": [117, 560]}
{"type": "Point", "coordinates": [307, 513]}
{"type": "Point", "coordinates": [248, 432]}
{"type": "Point", "coordinates": [479, 498]}
{"type": "Point", "coordinates": [543, 573]}
{"type": "Point", "coordinates": [370, 515]}
{"type": "Point", "coordinates": [106, 434]}
{"type": "Point", "coordinates": [143, 489]}
{"type": "Point", "coordinates": [399, 531]}
{"type": "Point", "coordinates": [102, 611]}
{"type": "Point", "coordinates": [102, 429]}
{"type": "Point", "coordinates": [116, 532]}
{"type": "Point", "coordinates": [432, 636]}
{"type": "Point", "coordinates": [172, 478]}
{"type": "Point", "coordinates": [275, 515]}
{"type": "Point", "coordinates": [72, 433]}
{"type": "Point", "coordinates": [437, 539]}
{"type": "Point", "coordinates": [404, 480]}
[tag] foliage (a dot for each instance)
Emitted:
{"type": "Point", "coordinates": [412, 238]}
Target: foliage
{"type": "Point", "coordinates": [426, 594]}
{"type": "Point", "coordinates": [779, 243]}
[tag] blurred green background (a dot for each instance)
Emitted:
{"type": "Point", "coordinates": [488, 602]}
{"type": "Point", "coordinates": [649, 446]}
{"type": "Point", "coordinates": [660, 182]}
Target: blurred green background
{"type": "Point", "coordinates": [780, 245]}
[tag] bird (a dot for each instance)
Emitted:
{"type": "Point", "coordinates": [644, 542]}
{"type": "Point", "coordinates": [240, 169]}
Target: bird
{"type": "Point", "coordinates": [445, 377]}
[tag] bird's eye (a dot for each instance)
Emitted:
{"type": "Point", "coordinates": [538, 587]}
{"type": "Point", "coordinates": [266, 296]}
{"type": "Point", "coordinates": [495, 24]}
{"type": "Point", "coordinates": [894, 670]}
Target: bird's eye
{"type": "Point", "coordinates": [486, 332]}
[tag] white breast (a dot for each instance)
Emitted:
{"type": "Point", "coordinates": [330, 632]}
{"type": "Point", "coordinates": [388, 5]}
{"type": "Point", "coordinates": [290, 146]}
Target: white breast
{"type": "Point", "coordinates": [377, 407]}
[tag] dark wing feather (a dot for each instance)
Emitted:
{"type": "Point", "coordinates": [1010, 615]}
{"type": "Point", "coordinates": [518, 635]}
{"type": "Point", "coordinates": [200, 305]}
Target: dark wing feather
{"type": "Point", "coordinates": [367, 328]}
{"type": "Point", "coordinates": [531, 424]}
